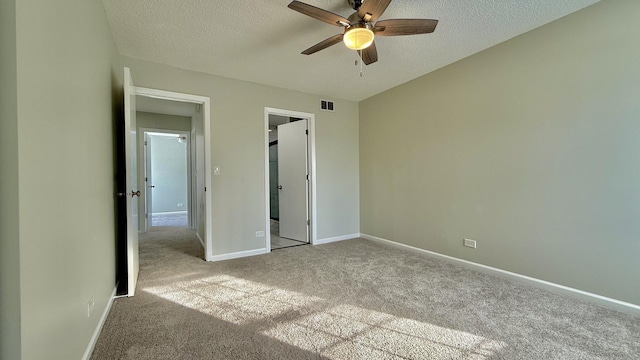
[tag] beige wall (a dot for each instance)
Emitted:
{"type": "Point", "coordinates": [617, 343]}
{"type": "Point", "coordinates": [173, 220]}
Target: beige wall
{"type": "Point", "coordinates": [532, 148]}
{"type": "Point", "coordinates": [67, 75]}
{"type": "Point", "coordinates": [162, 121]}
{"type": "Point", "coordinates": [238, 143]}
{"type": "Point", "coordinates": [9, 230]}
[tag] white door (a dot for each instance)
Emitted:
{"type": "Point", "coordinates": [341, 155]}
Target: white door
{"type": "Point", "coordinates": [148, 180]}
{"type": "Point", "coordinates": [292, 180]}
{"type": "Point", "coordinates": [132, 193]}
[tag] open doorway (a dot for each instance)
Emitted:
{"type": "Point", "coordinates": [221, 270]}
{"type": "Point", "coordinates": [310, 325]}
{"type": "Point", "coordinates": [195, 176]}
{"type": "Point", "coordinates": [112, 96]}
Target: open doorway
{"type": "Point", "coordinates": [171, 170]}
{"type": "Point", "coordinates": [187, 117]}
{"type": "Point", "coordinates": [131, 186]}
{"type": "Point", "coordinates": [290, 169]}
{"type": "Point", "coordinates": [167, 176]}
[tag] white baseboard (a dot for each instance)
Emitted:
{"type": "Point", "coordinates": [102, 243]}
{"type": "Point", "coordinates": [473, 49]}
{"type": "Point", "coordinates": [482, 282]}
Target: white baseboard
{"type": "Point", "coordinates": [96, 332]}
{"type": "Point", "coordinates": [238, 254]}
{"type": "Point", "coordinates": [336, 238]}
{"type": "Point", "coordinates": [171, 213]}
{"type": "Point", "coordinates": [583, 295]}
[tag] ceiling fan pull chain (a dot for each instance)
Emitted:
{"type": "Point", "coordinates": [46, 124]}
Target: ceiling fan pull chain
{"type": "Point", "coordinates": [360, 62]}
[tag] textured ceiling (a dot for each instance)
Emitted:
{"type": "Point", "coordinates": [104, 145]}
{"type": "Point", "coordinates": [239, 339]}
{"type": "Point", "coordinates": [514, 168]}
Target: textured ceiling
{"type": "Point", "coordinates": [261, 40]}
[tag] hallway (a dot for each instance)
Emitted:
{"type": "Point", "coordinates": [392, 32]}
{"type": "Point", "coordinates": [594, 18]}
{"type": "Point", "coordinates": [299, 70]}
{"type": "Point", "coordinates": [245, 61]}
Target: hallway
{"type": "Point", "coordinates": [178, 219]}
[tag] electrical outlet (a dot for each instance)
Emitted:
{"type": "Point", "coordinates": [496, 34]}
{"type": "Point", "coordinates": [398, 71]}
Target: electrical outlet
{"type": "Point", "coordinates": [180, 205]}
{"type": "Point", "coordinates": [90, 305]}
{"type": "Point", "coordinates": [259, 233]}
{"type": "Point", "coordinates": [470, 243]}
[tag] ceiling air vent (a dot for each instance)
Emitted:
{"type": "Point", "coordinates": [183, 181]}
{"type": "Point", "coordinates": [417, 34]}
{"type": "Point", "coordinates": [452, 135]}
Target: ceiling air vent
{"type": "Point", "coordinates": [326, 105]}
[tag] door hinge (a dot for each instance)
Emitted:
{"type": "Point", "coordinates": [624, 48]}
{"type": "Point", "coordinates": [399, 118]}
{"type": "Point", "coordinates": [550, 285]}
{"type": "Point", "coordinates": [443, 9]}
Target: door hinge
{"type": "Point", "coordinates": [205, 188]}
{"type": "Point", "coordinates": [146, 179]}
{"type": "Point", "coordinates": [307, 176]}
{"type": "Point", "coordinates": [145, 142]}
{"type": "Point", "coordinates": [306, 132]}
{"type": "Point", "coordinates": [308, 222]}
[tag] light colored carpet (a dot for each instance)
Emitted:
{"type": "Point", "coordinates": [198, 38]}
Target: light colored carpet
{"type": "Point", "coordinates": [349, 300]}
{"type": "Point", "coordinates": [169, 219]}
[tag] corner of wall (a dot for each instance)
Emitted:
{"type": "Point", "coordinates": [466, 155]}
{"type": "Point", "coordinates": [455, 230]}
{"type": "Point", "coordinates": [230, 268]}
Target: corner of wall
{"type": "Point", "coordinates": [10, 337]}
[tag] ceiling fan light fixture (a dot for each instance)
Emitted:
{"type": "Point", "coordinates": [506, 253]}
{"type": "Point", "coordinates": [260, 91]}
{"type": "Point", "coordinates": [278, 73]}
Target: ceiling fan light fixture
{"type": "Point", "coordinates": [358, 36]}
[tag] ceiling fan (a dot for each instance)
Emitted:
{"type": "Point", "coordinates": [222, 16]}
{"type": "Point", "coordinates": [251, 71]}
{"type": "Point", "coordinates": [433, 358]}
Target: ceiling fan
{"type": "Point", "coordinates": [361, 27]}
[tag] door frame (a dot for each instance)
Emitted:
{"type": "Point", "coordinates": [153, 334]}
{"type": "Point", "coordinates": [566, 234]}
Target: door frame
{"type": "Point", "coordinates": [311, 161]}
{"type": "Point", "coordinates": [142, 138]}
{"type": "Point", "coordinates": [205, 102]}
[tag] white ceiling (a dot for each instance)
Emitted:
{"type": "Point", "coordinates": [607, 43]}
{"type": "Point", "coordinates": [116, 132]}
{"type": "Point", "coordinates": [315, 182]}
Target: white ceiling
{"type": "Point", "coordinates": [261, 40]}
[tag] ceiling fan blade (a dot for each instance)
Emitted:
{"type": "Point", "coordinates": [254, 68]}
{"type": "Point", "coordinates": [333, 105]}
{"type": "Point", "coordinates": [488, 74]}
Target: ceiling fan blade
{"type": "Point", "coordinates": [374, 8]}
{"type": "Point", "coordinates": [396, 27]}
{"type": "Point", "coordinates": [317, 13]}
{"type": "Point", "coordinates": [324, 44]}
{"type": "Point", "coordinates": [370, 54]}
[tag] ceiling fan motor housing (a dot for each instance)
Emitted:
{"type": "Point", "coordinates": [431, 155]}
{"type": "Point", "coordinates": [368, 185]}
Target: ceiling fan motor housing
{"type": "Point", "coordinates": [355, 18]}
{"type": "Point", "coordinates": [355, 4]}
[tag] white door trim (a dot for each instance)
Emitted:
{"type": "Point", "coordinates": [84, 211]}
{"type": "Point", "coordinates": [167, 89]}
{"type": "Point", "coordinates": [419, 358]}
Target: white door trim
{"type": "Point", "coordinates": [311, 124]}
{"type": "Point", "coordinates": [205, 101]}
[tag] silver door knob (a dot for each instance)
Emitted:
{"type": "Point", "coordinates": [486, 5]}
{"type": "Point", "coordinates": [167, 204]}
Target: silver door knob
{"type": "Point", "coordinates": [280, 187]}
{"type": "Point", "coordinates": [135, 193]}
